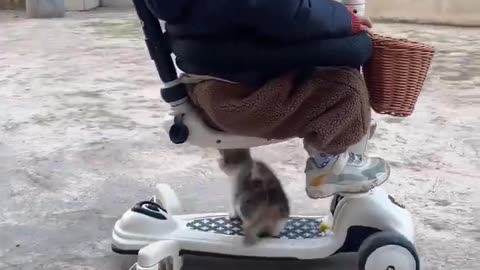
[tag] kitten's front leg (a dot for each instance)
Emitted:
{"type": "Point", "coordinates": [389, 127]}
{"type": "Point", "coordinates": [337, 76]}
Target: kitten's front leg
{"type": "Point", "coordinates": [232, 213]}
{"type": "Point", "coordinates": [276, 228]}
{"type": "Point", "coordinates": [251, 234]}
{"type": "Point", "coordinates": [234, 209]}
{"type": "Point", "coordinates": [252, 227]}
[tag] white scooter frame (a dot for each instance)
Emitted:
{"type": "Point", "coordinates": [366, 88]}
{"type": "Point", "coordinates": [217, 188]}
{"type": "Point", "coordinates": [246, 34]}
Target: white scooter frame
{"type": "Point", "coordinates": [372, 224]}
{"type": "Point", "coordinates": [159, 232]}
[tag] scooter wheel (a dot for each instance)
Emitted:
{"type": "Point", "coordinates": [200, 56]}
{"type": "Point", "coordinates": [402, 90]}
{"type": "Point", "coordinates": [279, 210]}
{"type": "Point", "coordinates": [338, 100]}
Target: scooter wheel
{"type": "Point", "coordinates": [388, 251]}
{"type": "Point", "coordinates": [166, 264]}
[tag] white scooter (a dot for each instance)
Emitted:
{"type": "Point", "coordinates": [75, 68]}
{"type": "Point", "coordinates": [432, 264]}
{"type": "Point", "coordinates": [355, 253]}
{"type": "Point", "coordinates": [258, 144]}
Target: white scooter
{"type": "Point", "coordinates": [372, 224]}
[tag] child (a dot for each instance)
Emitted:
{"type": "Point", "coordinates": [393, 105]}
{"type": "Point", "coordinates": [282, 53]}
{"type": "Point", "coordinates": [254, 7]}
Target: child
{"type": "Point", "coordinates": [280, 22]}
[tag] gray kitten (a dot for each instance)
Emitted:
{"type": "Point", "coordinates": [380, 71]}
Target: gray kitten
{"type": "Point", "coordinates": [258, 197]}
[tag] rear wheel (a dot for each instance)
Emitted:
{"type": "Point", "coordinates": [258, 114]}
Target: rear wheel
{"type": "Point", "coordinates": [388, 251]}
{"type": "Point", "coordinates": [166, 264]}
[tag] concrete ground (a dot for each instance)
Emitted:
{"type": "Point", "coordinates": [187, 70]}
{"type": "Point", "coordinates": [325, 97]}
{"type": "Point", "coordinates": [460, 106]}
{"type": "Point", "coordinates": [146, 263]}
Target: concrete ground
{"type": "Point", "coordinates": [80, 142]}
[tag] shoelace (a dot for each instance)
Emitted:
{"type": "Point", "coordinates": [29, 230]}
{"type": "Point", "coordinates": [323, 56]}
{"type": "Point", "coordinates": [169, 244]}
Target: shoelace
{"type": "Point", "coordinates": [355, 158]}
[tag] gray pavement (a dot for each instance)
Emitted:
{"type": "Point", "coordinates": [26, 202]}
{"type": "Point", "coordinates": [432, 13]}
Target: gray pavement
{"type": "Point", "coordinates": [80, 142]}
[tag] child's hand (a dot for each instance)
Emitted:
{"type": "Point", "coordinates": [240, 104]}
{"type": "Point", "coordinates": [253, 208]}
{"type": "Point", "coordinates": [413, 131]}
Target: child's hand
{"type": "Point", "coordinates": [360, 23]}
{"type": "Point", "coordinates": [365, 23]}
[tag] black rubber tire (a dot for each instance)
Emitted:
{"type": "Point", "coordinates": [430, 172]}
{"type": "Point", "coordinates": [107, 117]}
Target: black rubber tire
{"type": "Point", "coordinates": [382, 239]}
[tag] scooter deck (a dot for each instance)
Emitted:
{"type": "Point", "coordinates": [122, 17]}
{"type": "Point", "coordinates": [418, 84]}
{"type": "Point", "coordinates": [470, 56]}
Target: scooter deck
{"type": "Point", "coordinates": [219, 234]}
{"type": "Point", "coordinates": [296, 228]}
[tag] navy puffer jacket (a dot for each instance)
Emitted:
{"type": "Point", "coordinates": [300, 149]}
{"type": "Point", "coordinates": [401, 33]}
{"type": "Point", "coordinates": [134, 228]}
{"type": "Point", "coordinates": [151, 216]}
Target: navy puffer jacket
{"type": "Point", "coordinates": [260, 22]}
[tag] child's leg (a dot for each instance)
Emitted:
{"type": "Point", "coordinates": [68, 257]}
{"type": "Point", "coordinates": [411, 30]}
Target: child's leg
{"type": "Point", "coordinates": [348, 172]}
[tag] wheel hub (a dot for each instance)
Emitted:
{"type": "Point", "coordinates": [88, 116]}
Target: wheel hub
{"type": "Point", "coordinates": [391, 257]}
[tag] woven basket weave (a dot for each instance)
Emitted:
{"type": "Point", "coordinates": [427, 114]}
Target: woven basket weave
{"type": "Point", "coordinates": [396, 73]}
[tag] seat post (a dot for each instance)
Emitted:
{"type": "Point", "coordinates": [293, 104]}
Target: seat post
{"type": "Point", "coordinates": [173, 91]}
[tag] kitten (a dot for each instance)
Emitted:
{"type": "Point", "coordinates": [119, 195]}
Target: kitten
{"type": "Point", "coordinates": [258, 197]}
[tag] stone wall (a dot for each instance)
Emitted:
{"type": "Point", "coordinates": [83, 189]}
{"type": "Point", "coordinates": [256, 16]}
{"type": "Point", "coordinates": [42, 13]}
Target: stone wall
{"type": "Point", "coordinates": [117, 3]}
{"type": "Point", "coordinates": [454, 12]}
{"type": "Point", "coordinates": [12, 4]}
{"type": "Point", "coordinates": [81, 5]}
{"type": "Point", "coordinates": [70, 5]}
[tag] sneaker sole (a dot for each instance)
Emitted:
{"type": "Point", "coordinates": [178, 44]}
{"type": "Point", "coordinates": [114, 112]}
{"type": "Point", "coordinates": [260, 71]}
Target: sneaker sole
{"type": "Point", "coordinates": [330, 190]}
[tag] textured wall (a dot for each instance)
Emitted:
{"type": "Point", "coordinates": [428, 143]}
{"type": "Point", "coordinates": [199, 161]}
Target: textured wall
{"type": "Point", "coordinates": [116, 3]}
{"type": "Point", "coordinates": [12, 4]}
{"type": "Point", "coordinates": [458, 12]}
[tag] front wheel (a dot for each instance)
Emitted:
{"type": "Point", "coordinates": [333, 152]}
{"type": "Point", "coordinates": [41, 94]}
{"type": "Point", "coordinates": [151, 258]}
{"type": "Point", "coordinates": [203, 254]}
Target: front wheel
{"type": "Point", "coordinates": [388, 251]}
{"type": "Point", "coordinates": [166, 264]}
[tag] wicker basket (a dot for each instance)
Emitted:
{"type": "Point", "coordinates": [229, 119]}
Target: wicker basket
{"type": "Point", "coordinates": [396, 73]}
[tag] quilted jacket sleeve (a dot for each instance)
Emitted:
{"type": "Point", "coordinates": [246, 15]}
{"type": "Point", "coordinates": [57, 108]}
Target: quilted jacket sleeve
{"type": "Point", "coordinates": [288, 20]}
{"type": "Point", "coordinates": [168, 10]}
{"type": "Point", "coordinates": [301, 19]}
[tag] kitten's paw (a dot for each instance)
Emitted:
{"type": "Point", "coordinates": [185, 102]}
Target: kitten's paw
{"type": "Point", "coordinates": [251, 235]}
{"type": "Point", "coordinates": [277, 229]}
{"type": "Point", "coordinates": [232, 212]}
{"type": "Point", "coordinates": [233, 216]}
{"type": "Point", "coordinates": [250, 240]}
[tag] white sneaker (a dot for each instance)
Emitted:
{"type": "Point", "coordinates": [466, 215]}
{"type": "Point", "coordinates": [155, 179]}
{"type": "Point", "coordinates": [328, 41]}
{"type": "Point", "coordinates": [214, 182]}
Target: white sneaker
{"type": "Point", "coordinates": [348, 173]}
